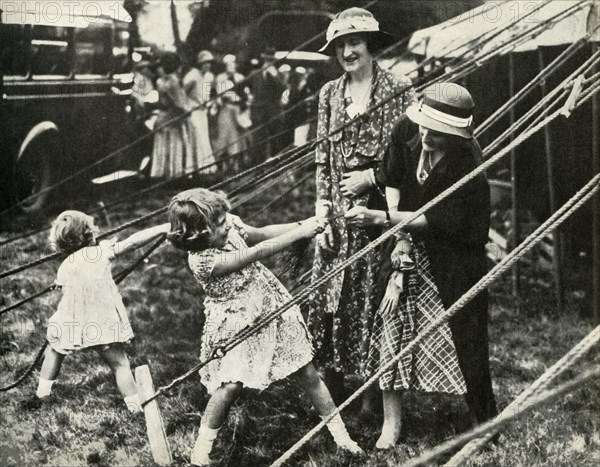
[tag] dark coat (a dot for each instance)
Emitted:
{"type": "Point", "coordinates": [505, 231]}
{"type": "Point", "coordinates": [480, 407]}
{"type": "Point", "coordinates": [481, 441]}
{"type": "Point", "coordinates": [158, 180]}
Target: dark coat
{"type": "Point", "coordinates": [455, 243]}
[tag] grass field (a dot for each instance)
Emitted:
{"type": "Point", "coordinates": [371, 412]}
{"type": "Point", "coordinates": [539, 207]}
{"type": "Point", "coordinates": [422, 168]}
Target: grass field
{"type": "Point", "coordinates": [86, 423]}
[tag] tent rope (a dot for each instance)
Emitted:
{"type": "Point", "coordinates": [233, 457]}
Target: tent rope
{"type": "Point", "coordinates": [555, 220]}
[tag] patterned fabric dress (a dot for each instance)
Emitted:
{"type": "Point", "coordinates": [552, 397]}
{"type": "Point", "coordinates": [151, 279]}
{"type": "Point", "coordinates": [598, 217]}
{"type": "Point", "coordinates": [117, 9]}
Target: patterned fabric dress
{"type": "Point", "coordinates": [341, 311]}
{"type": "Point", "coordinates": [91, 311]}
{"type": "Point", "coordinates": [236, 300]}
{"type": "Point", "coordinates": [432, 366]}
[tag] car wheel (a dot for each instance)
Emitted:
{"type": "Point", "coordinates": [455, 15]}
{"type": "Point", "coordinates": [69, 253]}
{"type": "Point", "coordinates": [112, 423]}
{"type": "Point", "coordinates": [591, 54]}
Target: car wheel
{"type": "Point", "coordinates": [35, 172]}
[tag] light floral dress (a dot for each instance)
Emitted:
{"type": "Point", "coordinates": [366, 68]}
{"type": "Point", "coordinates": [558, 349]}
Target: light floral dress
{"type": "Point", "coordinates": [91, 311]}
{"type": "Point", "coordinates": [236, 300]}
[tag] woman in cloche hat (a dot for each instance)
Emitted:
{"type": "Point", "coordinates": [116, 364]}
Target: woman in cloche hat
{"type": "Point", "coordinates": [432, 147]}
{"type": "Point", "coordinates": [341, 311]}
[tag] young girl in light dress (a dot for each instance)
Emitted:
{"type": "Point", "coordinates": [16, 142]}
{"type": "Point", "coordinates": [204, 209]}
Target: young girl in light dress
{"type": "Point", "coordinates": [239, 289]}
{"type": "Point", "coordinates": [91, 313]}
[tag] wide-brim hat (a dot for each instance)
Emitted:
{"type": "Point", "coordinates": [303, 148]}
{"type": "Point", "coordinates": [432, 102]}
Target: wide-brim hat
{"type": "Point", "coordinates": [352, 21]}
{"type": "Point", "coordinates": [446, 108]}
{"type": "Point", "coordinates": [204, 56]}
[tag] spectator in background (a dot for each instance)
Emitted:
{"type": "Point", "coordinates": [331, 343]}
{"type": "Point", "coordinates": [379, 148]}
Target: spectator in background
{"type": "Point", "coordinates": [267, 87]}
{"type": "Point", "coordinates": [299, 105]}
{"type": "Point", "coordinates": [233, 119]}
{"type": "Point", "coordinates": [173, 153]}
{"type": "Point", "coordinates": [198, 84]}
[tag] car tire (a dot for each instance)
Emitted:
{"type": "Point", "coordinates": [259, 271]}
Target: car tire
{"type": "Point", "coordinates": [36, 171]}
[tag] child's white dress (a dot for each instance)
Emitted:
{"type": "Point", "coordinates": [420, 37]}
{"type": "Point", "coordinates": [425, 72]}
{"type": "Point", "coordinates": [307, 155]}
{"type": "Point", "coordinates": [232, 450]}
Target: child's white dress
{"type": "Point", "coordinates": [91, 311]}
{"type": "Point", "coordinates": [236, 300]}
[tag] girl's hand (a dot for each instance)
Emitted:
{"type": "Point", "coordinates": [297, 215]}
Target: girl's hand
{"type": "Point", "coordinates": [312, 226]}
{"type": "Point", "coordinates": [359, 216]}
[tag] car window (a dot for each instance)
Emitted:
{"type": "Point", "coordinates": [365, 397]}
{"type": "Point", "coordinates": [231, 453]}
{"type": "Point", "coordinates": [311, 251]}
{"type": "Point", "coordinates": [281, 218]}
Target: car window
{"type": "Point", "coordinates": [93, 51]}
{"type": "Point", "coordinates": [14, 39]}
{"type": "Point", "coordinates": [50, 51]}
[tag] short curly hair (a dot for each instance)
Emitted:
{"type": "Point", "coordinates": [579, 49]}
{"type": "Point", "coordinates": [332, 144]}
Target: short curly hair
{"type": "Point", "coordinates": [71, 231]}
{"type": "Point", "coordinates": [193, 215]}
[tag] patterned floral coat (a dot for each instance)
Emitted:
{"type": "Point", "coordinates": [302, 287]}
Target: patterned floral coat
{"type": "Point", "coordinates": [341, 311]}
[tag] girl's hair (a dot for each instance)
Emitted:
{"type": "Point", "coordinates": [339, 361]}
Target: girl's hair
{"type": "Point", "coordinates": [193, 215]}
{"type": "Point", "coordinates": [71, 231]}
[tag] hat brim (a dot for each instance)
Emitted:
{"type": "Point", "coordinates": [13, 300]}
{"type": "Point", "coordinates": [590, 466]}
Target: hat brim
{"type": "Point", "coordinates": [382, 40]}
{"type": "Point", "coordinates": [416, 116]}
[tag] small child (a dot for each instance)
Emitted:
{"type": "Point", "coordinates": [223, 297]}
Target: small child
{"type": "Point", "coordinates": [239, 289]}
{"type": "Point", "coordinates": [91, 313]}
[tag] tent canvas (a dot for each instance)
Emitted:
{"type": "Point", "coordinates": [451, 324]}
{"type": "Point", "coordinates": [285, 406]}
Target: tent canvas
{"type": "Point", "coordinates": [451, 38]}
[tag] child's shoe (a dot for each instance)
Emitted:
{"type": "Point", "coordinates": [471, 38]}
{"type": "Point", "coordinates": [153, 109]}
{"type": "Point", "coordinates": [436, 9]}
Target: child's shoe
{"type": "Point", "coordinates": [338, 430]}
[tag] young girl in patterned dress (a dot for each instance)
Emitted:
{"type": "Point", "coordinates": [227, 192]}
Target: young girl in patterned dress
{"type": "Point", "coordinates": [91, 313]}
{"type": "Point", "coordinates": [239, 290]}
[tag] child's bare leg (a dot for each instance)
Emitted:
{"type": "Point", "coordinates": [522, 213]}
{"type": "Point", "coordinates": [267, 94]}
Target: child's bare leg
{"type": "Point", "coordinates": [312, 383]}
{"type": "Point", "coordinates": [214, 416]}
{"type": "Point", "coordinates": [50, 370]}
{"type": "Point", "coordinates": [392, 412]}
{"type": "Point", "coordinates": [116, 358]}
{"type": "Point", "coordinates": [220, 403]}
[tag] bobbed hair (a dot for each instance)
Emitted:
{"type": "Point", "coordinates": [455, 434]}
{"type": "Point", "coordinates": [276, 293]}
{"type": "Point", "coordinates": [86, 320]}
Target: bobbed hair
{"type": "Point", "coordinates": [71, 231]}
{"type": "Point", "coordinates": [193, 215]}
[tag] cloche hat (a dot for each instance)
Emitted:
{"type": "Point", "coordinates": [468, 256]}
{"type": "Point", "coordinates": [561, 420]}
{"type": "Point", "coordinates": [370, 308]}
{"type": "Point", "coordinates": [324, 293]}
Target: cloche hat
{"type": "Point", "coordinates": [204, 56]}
{"type": "Point", "coordinates": [445, 107]}
{"type": "Point", "coordinates": [352, 21]}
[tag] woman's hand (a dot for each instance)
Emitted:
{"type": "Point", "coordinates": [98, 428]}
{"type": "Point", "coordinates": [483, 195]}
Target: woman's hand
{"type": "Point", "coordinates": [359, 216]}
{"type": "Point", "coordinates": [312, 226]}
{"type": "Point", "coordinates": [355, 183]}
{"type": "Point", "coordinates": [327, 240]}
{"type": "Point", "coordinates": [392, 296]}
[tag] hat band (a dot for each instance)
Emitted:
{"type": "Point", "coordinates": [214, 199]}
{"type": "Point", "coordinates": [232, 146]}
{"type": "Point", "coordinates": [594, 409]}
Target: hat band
{"type": "Point", "coordinates": [442, 117]}
{"type": "Point", "coordinates": [359, 23]}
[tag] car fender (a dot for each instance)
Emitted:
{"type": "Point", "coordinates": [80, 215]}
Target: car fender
{"type": "Point", "coordinates": [38, 130]}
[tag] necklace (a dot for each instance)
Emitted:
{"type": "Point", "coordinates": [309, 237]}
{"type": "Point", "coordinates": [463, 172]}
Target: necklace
{"type": "Point", "coordinates": [352, 109]}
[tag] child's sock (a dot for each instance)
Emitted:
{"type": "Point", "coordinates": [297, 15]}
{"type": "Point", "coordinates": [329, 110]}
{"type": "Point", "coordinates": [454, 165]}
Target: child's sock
{"type": "Point", "coordinates": [204, 444]}
{"type": "Point", "coordinates": [133, 403]}
{"type": "Point", "coordinates": [337, 428]}
{"type": "Point", "coordinates": [44, 387]}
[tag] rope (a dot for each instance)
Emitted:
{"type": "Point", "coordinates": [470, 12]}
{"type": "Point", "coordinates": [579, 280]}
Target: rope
{"type": "Point", "coordinates": [28, 370]}
{"type": "Point", "coordinates": [140, 219]}
{"type": "Point", "coordinates": [564, 364]}
{"type": "Point", "coordinates": [501, 421]}
{"type": "Point", "coordinates": [222, 160]}
{"type": "Point", "coordinates": [49, 257]}
{"type": "Point", "coordinates": [556, 219]}
{"type": "Point", "coordinates": [202, 106]}
{"type": "Point", "coordinates": [302, 297]}
{"type": "Point", "coordinates": [271, 203]}
{"type": "Point", "coordinates": [120, 277]}
{"type": "Point", "coordinates": [371, 109]}
{"type": "Point", "coordinates": [526, 90]}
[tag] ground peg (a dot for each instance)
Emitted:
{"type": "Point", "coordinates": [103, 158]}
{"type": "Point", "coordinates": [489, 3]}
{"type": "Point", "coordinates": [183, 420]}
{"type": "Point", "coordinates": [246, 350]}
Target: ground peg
{"type": "Point", "coordinates": [154, 424]}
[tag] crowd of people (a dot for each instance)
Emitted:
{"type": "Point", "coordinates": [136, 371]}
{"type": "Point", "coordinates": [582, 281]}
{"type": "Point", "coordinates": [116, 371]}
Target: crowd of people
{"type": "Point", "coordinates": [204, 120]}
{"type": "Point", "coordinates": [371, 176]}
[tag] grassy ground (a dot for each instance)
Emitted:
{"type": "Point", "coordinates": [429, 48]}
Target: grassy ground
{"type": "Point", "coordinates": [86, 423]}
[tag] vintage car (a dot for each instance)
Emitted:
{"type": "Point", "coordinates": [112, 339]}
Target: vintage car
{"type": "Point", "coordinates": [65, 84]}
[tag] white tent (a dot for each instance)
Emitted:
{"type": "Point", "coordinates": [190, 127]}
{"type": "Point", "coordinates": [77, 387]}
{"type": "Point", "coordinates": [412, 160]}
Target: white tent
{"type": "Point", "coordinates": [453, 37]}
